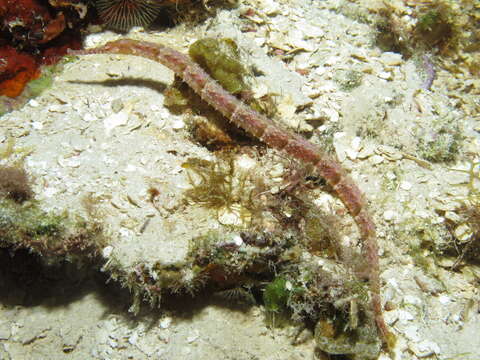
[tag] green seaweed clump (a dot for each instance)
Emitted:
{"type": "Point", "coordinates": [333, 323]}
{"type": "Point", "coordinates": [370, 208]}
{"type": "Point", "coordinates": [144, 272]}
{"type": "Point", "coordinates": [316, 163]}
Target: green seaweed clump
{"type": "Point", "coordinates": [442, 26]}
{"type": "Point", "coordinates": [238, 258]}
{"type": "Point", "coordinates": [55, 237]}
{"type": "Point", "coordinates": [442, 141]}
{"type": "Point", "coordinates": [215, 188]}
{"type": "Point", "coordinates": [276, 295]}
{"type": "Point", "coordinates": [219, 186]}
{"type": "Point", "coordinates": [389, 35]}
{"type": "Point", "coordinates": [444, 148]}
{"type": "Point", "coordinates": [36, 86]}
{"type": "Point", "coordinates": [328, 295]}
{"type": "Point", "coordinates": [436, 26]}
{"type": "Point", "coordinates": [219, 58]}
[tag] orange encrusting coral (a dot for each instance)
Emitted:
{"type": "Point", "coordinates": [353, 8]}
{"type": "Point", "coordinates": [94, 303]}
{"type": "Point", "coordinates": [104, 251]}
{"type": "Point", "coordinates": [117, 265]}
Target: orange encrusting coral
{"type": "Point", "coordinates": [276, 137]}
{"type": "Point", "coordinates": [27, 28]}
{"type": "Point", "coordinates": [17, 70]}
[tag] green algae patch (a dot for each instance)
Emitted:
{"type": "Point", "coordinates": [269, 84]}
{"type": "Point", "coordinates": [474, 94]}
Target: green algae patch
{"type": "Point", "coordinates": [219, 58]}
{"type": "Point", "coordinates": [442, 141]}
{"type": "Point", "coordinates": [276, 295]}
{"type": "Point", "coordinates": [55, 237]}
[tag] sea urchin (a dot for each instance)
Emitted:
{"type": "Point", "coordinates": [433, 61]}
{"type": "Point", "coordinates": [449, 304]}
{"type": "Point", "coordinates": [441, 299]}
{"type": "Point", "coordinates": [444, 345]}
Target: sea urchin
{"type": "Point", "coordinates": [123, 14]}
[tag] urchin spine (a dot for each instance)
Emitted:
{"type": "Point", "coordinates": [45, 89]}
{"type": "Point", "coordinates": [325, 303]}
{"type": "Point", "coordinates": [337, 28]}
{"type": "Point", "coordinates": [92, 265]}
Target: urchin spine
{"type": "Point", "coordinates": [274, 136]}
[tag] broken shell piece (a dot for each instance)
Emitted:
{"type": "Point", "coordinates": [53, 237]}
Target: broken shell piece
{"type": "Point", "coordinates": [114, 120]}
{"type": "Point", "coordinates": [359, 55]}
{"type": "Point", "coordinates": [287, 110]}
{"type": "Point", "coordinates": [57, 108]}
{"type": "Point", "coordinates": [33, 103]}
{"type": "Point", "coordinates": [453, 216]}
{"type": "Point", "coordinates": [193, 337]}
{"type": "Point", "coordinates": [119, 204]}
{"type": "Point", "coordinates": [166, 322]}
{"type": "Point", "coordinates": [277, 171]}
{"type": "Point", "coordinates": [117, 105]}
{"type": "Point", "coordinates": [377, 159]}
{"type": "Point", "coordinates": [132, 200]}
{"type": "Point", "coordinates": [178, 124]}
{"type": "Point", "coordinates": [311, 31]}
{"type": "Point", "coordinates": [340, 144]}
{"type": "Point", "coordinates": [463, 232]}
{"type": "Point", "coordinates": [296, 39]}
{"type": "Point", "coordinates": [424, 348]}
{"type": "Point", "coordinates": [331, 114]}
{"type": "Point", "coordinates": [245, 163]}
{"type": "Point", "coordinates": [37, 125]}
{"type": "Point", "coordinates": [354, 148]}
{"type": "Point", "coordinates": [260, 90]}
{"type": "Point", "coordinates": [389, 215]}
{"type": "Point", "coordinates": [271, 7]}
{"type": "Point", "coordinates": [391, 59]}
{"type": "Point", "coordinates": [406, 185]}
{"type": "Point", "coordinates": [446, 204]}
{"type": "Point", "coordinates": [107, 251]}
{"type": "Point", "coordinates": [385, 75]}
{"type": "Point", "coordinates": [89, 117]}
{"type": "Point", "coordinates": [346, 146]}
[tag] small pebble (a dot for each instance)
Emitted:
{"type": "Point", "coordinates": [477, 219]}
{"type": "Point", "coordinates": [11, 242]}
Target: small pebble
{"type": "Point", "coordinates": [389, 215]}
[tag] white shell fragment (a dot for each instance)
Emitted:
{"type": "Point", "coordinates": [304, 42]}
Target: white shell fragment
{"type": "Point", "coordinates": [33, 103]}
{"type": "Point", "coordinates": [270, 7]}
{"type": "Point", "coordinates": [406, 185]}
{"type": "Point", "coordinates": [392, 59]}
{"type": "Point", "coordinates": [114, 120]}
{"type": "Point", "coordinates": [389, 215]}
{"type": "Point", "coordinates": [463, 232]}
{"type": "Point", "coordinates": [245, 163]}
{"type": "Point", "coordinates": [425, 348]}
{"type": "Point", "coordinates": [346, 146]}
{"type": "Point", "coordinates": [107, 251]}
{"type": "Point", "coordinates": [193, 336]}
{"type": "Point", "coordinates": [178, 124]}
{"type": "Point", "coordinates": [331, 114]}
{"type": "Point", "coordinates": [385, 75]}
{"type": "Point", "coordinates": [166, 322]}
